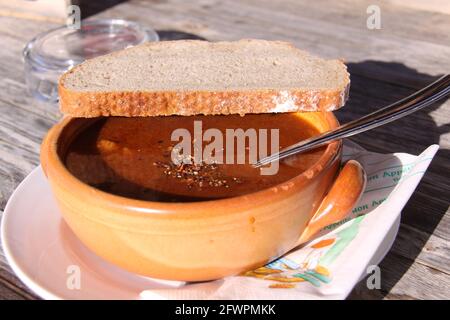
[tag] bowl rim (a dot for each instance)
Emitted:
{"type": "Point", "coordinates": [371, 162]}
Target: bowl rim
{"type": "Point", "coordinates": [51, 159]}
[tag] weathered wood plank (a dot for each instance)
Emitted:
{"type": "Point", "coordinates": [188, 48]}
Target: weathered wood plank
{"type": "Point", "coordinates": [418, 254]}
{"type": "Point", "coordinates": [410, 50]}
{"type": "Point", "coordinates": [419, 246]}
{"type": "Point", "coordinates": [20, 136]}
{"type": "Point", "coordinates": [14, 34]}
{"type": "Point", "coordinates": [295, 22]}
{"type": "Point", "coordinates": [403, 279]}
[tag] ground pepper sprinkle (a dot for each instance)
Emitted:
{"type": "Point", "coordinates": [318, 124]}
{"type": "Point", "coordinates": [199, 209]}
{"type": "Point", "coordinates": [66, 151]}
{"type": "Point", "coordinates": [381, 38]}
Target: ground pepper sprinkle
{"type": "Point", "coordinates": [198, 175]}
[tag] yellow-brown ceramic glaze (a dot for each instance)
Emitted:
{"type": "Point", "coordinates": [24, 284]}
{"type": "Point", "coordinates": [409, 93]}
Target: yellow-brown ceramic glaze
{"type": "Point", "coordinates": [202, 240]}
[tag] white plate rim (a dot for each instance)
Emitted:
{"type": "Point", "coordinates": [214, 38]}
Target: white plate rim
{"type": "Point", "coordinates": [15, 265]}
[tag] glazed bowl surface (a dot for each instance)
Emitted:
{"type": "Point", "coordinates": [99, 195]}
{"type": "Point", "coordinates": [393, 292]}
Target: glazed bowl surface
{"type": "Point", "coordinates": [195, 241]}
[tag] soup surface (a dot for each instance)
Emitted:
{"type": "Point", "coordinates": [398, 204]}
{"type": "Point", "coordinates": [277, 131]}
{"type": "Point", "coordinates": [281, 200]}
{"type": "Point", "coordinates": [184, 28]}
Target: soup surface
{"type": "Point", "coordinates": [131, 157]}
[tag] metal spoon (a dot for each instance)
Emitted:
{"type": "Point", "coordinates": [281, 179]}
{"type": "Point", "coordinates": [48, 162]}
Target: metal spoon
{"type": "Point", "coordinates": [418, 100]}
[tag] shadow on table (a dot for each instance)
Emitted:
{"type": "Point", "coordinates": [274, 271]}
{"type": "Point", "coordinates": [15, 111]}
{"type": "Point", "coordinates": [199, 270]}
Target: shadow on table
{"type": "Point", "coordinates": [165, 35]}
{"type": "Point", "coordinates": [375, 84]}
{"type": "Point", "coordinates": [90, 8]}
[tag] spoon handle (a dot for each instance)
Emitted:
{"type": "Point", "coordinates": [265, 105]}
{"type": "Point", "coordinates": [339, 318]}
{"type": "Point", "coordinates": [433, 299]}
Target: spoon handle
{"type": "Point", "coordinates": [418, 100]}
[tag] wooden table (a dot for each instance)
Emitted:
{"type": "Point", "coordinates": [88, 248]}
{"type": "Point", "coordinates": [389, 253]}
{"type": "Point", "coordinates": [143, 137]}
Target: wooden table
{"type": "Point", "coordinates": [411, 49]}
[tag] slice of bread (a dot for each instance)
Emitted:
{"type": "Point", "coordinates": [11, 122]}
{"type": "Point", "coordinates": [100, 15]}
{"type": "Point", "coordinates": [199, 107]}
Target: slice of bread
{"type": "Point", "coordinates": [190, 77]}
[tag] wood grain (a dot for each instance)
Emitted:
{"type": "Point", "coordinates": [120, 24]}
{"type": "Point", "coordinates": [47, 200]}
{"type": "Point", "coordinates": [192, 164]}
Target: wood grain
{"type": "Point", "coordinates": [410, 51]}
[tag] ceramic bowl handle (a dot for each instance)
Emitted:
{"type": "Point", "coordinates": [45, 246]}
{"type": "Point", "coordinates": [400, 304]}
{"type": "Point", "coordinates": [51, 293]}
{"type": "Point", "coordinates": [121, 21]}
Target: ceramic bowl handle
{"type": "Point", "coordinates": [342, 197]}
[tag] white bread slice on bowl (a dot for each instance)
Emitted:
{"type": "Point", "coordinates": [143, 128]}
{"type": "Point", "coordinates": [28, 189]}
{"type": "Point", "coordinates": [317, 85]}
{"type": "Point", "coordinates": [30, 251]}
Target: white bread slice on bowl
{"type": "Point", "coordinates": [188, 77]}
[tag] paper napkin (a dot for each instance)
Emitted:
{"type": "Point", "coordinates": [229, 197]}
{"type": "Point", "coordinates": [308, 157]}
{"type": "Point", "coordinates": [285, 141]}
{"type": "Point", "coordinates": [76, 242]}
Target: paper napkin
{"type": "Point", "coordinates": [329, 266]}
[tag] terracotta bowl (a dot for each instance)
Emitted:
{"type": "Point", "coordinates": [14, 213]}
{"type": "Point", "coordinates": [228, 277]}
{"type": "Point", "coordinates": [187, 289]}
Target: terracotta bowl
{"type": "Point", "coordinates": [203, 240]}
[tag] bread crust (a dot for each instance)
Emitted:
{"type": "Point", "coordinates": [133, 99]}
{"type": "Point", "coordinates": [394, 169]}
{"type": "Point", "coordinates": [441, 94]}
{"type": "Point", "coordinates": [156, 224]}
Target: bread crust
{"type": "Point", "coordinates": [166, 103]}
{"type": "Point", "coordinates": [178, 102]}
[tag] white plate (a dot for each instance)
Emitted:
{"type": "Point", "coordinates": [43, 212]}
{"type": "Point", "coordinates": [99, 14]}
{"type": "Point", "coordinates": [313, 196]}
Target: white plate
{"type": "Point", "coordinates": [46, 255]}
